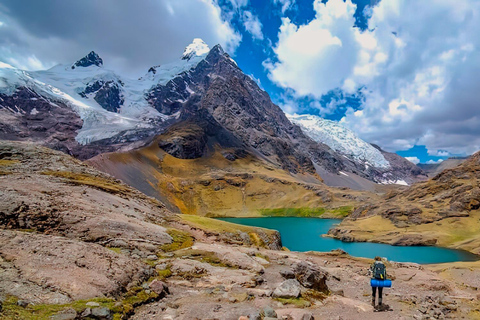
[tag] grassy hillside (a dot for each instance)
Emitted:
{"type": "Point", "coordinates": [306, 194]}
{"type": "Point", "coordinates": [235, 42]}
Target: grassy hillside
{"type": "Point", "coordinates": [214, 186]}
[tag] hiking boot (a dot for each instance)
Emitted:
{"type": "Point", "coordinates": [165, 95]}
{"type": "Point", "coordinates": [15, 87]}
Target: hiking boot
{"type": "Point", "coordinates": [373, 302]}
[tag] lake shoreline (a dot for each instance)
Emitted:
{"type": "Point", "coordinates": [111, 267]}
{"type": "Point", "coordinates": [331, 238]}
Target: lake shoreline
{"type": "Point", "coordinates": [439, 254]}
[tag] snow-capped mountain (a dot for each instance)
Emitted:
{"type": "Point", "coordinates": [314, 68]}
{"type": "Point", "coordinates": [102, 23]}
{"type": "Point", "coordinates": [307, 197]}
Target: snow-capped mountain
{"type": "Point", "coordinates": [107, 103]}
{"type": "Point", "coordinates": [199, 104]}
{"type": "Point", "coordinates": [340, 139]}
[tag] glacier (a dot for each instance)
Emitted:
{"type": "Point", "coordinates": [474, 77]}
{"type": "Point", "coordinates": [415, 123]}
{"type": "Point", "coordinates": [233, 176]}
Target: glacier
{"type": "Point", "coordinates": [66, 83]}
{"type": "Point", "coordinates": [340, 139]}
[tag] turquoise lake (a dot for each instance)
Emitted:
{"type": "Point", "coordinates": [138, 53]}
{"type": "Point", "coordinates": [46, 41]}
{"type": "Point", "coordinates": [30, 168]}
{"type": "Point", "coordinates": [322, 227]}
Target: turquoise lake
{"type": "Point", "coordinates": [305, 234]}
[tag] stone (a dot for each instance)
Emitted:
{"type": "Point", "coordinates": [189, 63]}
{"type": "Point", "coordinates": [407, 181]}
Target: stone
{"type": "Point", "coordinates": [161, 266]}
{"type": "Point", "coordinates": [159, 287]}
{"type": "Point", "coordinates": [258, 280]}
{"type": "Point", "coordinates": [287, 274]}
{"type": "Point", "coordinates": [92, 304]}
{"type": "Point", "coordinates": [269, 318]}
{"type": "Point", "coordinates": [86, 313]}
{"type": "Point", "coordinates": [152, 257]}
{"type": "Point", "coordinates": [288, 289]}
{"type": "Point", "coordinates": [308, 316]}
{"type": "Point", "coordinates": [311, 276]}
{"type": "Point", "coordinates": [255, 316]}
{"type": "Point", "coordinates": [22, 303]}
{"type": "Point", "coordinates": [243, 318]}
{"type": "Point", "coordinates": [101, 313]}
{"type": "Point", "coordinates": [269, 312]}
{"type": "Point", "coordinates": [68, 314]}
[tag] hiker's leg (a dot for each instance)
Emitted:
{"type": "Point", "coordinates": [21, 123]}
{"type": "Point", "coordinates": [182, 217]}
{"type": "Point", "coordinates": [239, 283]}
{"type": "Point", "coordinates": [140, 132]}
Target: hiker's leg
{"type": "Point", "coordinates": [374, 292]}
{"type": "Point", "coordinates": [380, 291]}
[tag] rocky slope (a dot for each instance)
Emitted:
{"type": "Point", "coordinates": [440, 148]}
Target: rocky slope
{"type": "Point", "coordinates": [78, 244]}
{"type": "Point", "coordinates": [443, 210]}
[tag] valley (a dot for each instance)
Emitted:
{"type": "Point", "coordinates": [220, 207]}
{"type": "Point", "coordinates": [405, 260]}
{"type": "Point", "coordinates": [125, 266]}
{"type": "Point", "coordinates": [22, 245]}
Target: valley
{"type": "Point", "coordinates": [117, 194]}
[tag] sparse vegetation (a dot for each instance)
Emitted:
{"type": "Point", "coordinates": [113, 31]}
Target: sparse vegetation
{"type": "Point", "coordinates": [293, 212]}
{"type": "Point", "coordinates": [11, 311]}
{"type": "Point", "coordinates": [4, 162]}
{"type": "Point", "coordinates": [181, 240]}
{"type": "Point", "coordinates": [298, 302]}
{"type": "Point", "coordinates": [85, 179]}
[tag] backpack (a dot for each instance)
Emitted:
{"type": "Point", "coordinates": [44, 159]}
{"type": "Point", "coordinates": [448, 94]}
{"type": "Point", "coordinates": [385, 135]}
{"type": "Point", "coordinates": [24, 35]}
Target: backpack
{"type": "Point", "coordinates": [379, 271]}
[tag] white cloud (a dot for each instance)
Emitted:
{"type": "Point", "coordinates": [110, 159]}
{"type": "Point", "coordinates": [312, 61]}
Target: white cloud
{"type": "Point", "coordinates": [285, 4]}
{"type": "Point", "coordinates": [416, 65]}
{"type": "Point", "coordinates": [413, 160]}
{"type": "Point", "coordinates": [131, 38]}
{"type": "Point", "coordinates": [252, 25]}
{"type": "Point", "coordinates": [434, 162]}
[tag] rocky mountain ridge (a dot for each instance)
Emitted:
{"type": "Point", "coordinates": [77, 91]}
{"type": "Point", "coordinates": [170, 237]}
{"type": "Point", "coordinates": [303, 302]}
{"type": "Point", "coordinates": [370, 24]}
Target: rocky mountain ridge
{"type": "Point", "coordinates": [205, 87]}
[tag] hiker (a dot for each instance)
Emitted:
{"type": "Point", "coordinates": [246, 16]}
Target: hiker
{"type": "Point", "coordinates": [379, 272]}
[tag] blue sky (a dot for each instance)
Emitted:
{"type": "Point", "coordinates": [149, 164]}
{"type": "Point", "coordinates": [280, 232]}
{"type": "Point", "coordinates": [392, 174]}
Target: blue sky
{"type": "Point", "coordinates": [401, 74]}
{"type": "Point", "coordinates": [251, 54]}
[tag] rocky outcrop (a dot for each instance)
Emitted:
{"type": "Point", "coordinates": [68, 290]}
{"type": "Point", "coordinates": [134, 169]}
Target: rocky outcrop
{"type": "Point", "coordinates": [107, 94]}
{"type": "Point", "coordinates": [91, 59]}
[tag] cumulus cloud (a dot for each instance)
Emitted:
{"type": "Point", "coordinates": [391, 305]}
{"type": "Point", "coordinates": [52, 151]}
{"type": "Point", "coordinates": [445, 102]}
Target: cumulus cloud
{"type": "Point", "coordinates": [413, 160]}
{"type": "Point", "coordinates": [416, 66]}
{"type": "Point", "coordinates": [252, 25]}
{"type": "Point", "coordinates": [128, 35]}
{"type": "Point", "coordinates": [434, 162]}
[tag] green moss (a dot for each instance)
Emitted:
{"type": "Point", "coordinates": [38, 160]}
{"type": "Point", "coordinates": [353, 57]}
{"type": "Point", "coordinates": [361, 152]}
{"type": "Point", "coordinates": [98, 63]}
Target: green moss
{"type": "Point", "coordinates": [298, 302]}
{"type": "Point", "coordinates": [293, 212]}
{"type": "Point", "coordinates": [163, 274]}
{"type": "Point", "coordinates": [181, 240]}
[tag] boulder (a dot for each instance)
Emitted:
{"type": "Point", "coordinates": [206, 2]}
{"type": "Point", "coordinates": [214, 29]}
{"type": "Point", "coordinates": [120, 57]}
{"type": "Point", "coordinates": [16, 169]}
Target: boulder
{"type": "Point", "coordinates": [68, 314]}
{"type": "Point", "coordinates": [311, 276]}
{"type": "Point", "coordinates": [101, 313]}
{"type": "Point", "coordinates": [269, 312]}
{"type": "Point", "coordinates": [288, 289]}
{"type": "Point", "coordinates": [159, 288]}
{"type": "Point", "coordinates": [287, 274]}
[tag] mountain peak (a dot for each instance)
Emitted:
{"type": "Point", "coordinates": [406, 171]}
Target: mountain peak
{"type": "Point", "coordinates": [90, 59]}
{"type": "Point", "coordinates": [197, 48]}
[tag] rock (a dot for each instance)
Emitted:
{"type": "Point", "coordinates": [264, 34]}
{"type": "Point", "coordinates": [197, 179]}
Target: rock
{"type": "Point", "coordinates": [22, 303]}
{"type": "Point", "coordinates": [269, 318]}
{"type": "Point", "coordinates": [288, 289]}
{"type": "Point", "coordinates": [308, 316]}
{"type": "Point", "coordinates": [159, 288]}
{"type": "Point", "coordinates": [69, 314]}
{"type": "Point", "coordinates": [287, 274]}
{"type": "Point", "coordinates": [255, 316]}
{"type": "Point", "coordinates": [161, 266]}
{"type": "Point", "coordinates": [243, 318]}
{"type": "Point", "coordinates": [311, 276]}
{"type": "Point", "coordinates": [269, 312]}
{"type": "Point", "coordinates": [101, 313]}
{"type": "Point", "coordinates": [258, 280]}
{"type": "Point", "coordinates": [338, 292]}
{"type": "Point", "coordinates": [86, 313]}
{"type": "Point", "coordinates": [92, 304]}
{"type": "Point", "coordinates": [152, 257]}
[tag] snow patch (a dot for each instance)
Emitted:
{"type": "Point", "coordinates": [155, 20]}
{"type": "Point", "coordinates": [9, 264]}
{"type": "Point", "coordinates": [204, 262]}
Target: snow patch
{"type": "Point", "coordinates": [341, 172]}
{"type": "Point", "coordinates": [340, 139]}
